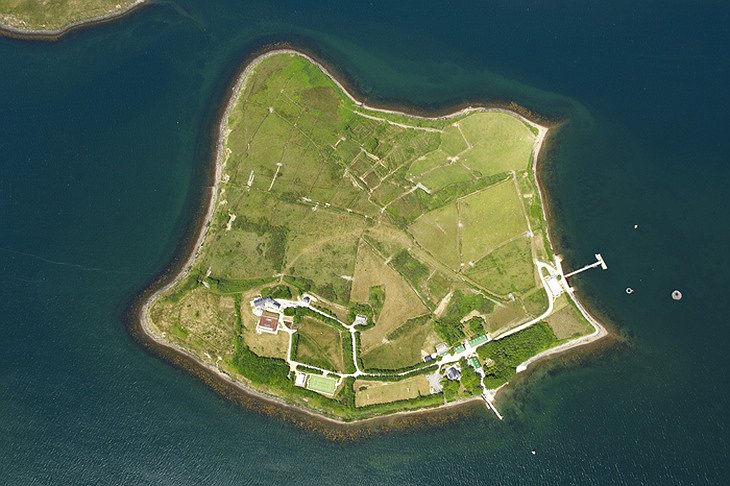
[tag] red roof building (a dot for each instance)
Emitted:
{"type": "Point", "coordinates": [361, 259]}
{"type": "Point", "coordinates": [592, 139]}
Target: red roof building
{"type": "Point", "coordinates": [268, 322]}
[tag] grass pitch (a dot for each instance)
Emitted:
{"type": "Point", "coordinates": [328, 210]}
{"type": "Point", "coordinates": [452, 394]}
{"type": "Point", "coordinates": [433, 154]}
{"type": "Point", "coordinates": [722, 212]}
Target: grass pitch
{"type": "Point", "coordinates": [322, 384]}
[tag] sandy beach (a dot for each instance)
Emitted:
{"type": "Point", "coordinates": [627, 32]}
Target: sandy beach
{"type": "Point", "coordinates": [174, 275]}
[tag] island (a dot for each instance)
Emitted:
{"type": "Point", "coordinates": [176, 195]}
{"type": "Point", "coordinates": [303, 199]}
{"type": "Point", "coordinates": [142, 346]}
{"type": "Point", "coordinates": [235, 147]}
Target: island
{"type": "Point", "coordinates": [50, 20]}
{"type": "Point", "coordinates": [357, 262]}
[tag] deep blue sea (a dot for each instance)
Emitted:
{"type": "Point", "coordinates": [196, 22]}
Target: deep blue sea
{"type": "Point", "coordinates": [105, 142]}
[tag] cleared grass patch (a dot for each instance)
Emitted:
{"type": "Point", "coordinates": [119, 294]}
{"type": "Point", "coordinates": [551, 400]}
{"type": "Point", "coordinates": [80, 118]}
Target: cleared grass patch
{"type": "Point", "coordinates": [320, 344]}
{"type": "Point", "coordinates": [505, 317]}
{"type": "Point", "coordinates": [330, 266]}
{"type": "Point", "coordinates": [445, 175]}
{"type": "Point", "coordinates": [507, 269]}
{"type": "Point", "coordinates": [488, 219]}
{"type": "Point", "coordinates": [500, 142]}
{"type": "Point", "coordinates": [403, 346]}
{"type": "Point", "coordinates": [567, 323]}
{"type": "Point", "coordinates": [373, 392]}
{"type": "Point", "coordinates": [437, 233]}
{"type": "Point", "coordinates": [400, 304]}
{"type": "Point", "coordinates": [202, 321]}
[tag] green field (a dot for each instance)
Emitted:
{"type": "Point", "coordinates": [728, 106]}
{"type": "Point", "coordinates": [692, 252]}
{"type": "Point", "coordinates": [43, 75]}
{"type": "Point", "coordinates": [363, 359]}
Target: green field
{"type": "Point", "coordinates": [419, 224]}
{"type": "Point", "coordinates": [322, 384]}
{"type": "Point", "coordinates": [56, 14]}
{"type": "Point", "coordinates": [320, 345]}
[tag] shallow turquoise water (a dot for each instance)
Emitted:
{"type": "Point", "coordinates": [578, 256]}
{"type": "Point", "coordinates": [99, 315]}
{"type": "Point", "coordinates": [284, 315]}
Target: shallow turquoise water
{"type": "Point", "coordinates": [105, 140]}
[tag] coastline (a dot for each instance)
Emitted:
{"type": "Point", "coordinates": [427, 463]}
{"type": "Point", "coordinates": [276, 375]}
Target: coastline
{"type": "Point", "coordinates": [55, 34]}
{"type": "Point", "coordinates": [172, 352]}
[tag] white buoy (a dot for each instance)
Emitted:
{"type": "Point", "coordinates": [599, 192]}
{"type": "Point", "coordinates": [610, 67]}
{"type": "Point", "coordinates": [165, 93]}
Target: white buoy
{"type": "Point", "coordinates": [534, 452]}
{"type": "Point", "coordinates": [629, 290]}
{"type": "Point", "coordinates": [676, 295]}
{"type": "Point", "coordinates": [636, 226]}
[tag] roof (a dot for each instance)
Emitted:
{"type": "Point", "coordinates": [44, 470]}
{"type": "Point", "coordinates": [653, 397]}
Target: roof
{"type": "Point", "coordinates": [259, 301]}
{"type": "Point", "coordinates": [360, 320]}
{"type": "Point", "coordinates": [478, 340]}
{"type": "Point", "coordinates": [269, 321]}
{"type": "Point", "coordinates": [441, 348]}
{"type": "Point", "coordinates": [427, 358]}
{"type": "Point", "coordinates": [460, 348]}
{"type": "Point", "coordinates": [272, 301]}
{"type": "Point", "coordinates": [474, 362]}
{"type": "Point", "coordinates": [453, 373]}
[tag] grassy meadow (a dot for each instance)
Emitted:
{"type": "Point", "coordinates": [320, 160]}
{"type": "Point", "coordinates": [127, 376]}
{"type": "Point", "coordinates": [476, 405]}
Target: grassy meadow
{"type": "Point", "coordinates": [56, 14]}
{"type": "Point", "coordinates": [428, 226]}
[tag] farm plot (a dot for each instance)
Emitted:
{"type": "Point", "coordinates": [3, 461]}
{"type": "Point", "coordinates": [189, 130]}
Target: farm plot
{"type": "Point", "coordinates": [437, 232]}
{"type": "Point", "coordinates": [372, 392]}
{"type": "Point", "coordinates": [320, 344]}
{"type": "Point", "coordinates": [488, 219]}
{"type": "Point", "coordinates": [400, 304]}
{"type": "Point", "coordinates": [499, 142]}
{"type": "Point", "coordinates": [507, 269]}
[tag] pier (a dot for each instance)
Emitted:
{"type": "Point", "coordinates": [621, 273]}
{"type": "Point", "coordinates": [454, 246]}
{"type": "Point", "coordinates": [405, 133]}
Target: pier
{"type": "Point", "coordinates": [598, 263]}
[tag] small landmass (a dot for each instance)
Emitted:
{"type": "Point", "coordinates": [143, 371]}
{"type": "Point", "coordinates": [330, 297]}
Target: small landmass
{"type": "Point", "coordinates": [358, 262]}
{"type": "Point", "coordinates": [52, 19]}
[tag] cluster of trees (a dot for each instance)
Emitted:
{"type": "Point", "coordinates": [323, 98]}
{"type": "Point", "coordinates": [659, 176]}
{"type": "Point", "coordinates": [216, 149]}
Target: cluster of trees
{"type": "Point", "coordinates": [303, 284]}
{"type": "Point", "coordinates": [277, 292]}
{"type": "Point", "coordinates": [376, 297]}
{"type": "Point", "coordinates": [470, 380]}
{"type": "Point", "coordinates": [449, 326]}
{"type": "Point", "coordinates": [356, 308]}
{"type": "Point", "coordinates": [509, 352]}
{"type": "Point", "coordinates": [300, 312]}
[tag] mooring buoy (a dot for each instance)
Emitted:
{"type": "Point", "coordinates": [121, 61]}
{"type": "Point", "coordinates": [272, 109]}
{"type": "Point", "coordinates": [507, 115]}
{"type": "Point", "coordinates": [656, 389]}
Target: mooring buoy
{"type": "Point", "coordinates": [676, 295]}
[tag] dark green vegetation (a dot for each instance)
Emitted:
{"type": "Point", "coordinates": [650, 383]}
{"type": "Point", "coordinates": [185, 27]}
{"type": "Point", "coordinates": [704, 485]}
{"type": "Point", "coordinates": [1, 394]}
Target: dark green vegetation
{"type": "Point", "coordinates": [449, 326]}
{"type": "Point", "coordinates": [371, 213]}
{"type": "Point", "coordinates": [505, 354]}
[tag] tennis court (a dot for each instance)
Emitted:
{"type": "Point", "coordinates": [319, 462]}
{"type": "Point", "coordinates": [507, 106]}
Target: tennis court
{"type": "Point", "coordinates": [322, 384]}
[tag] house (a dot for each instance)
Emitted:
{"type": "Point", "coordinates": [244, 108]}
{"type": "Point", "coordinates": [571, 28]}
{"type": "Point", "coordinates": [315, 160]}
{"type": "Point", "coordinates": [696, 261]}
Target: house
{"type": "Point", "coordinates": [271, 302]}
{"type": "Point", "coordinates": [442, 349]}
{"type": "Point", "coordinates": [453, 373]}
{"type": "Point", "coordinates": [459, 349]}
{"type": "Point", "coordinates": [427, 358]}
{"type": "Point", "coordinates": [268, 322]}
{"type": "Point", "coordinates": [360, 320]}
{"type": "Point", "coordinates": [474, 363]}
{"type": "Point", "coordinates": [262, 303]}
